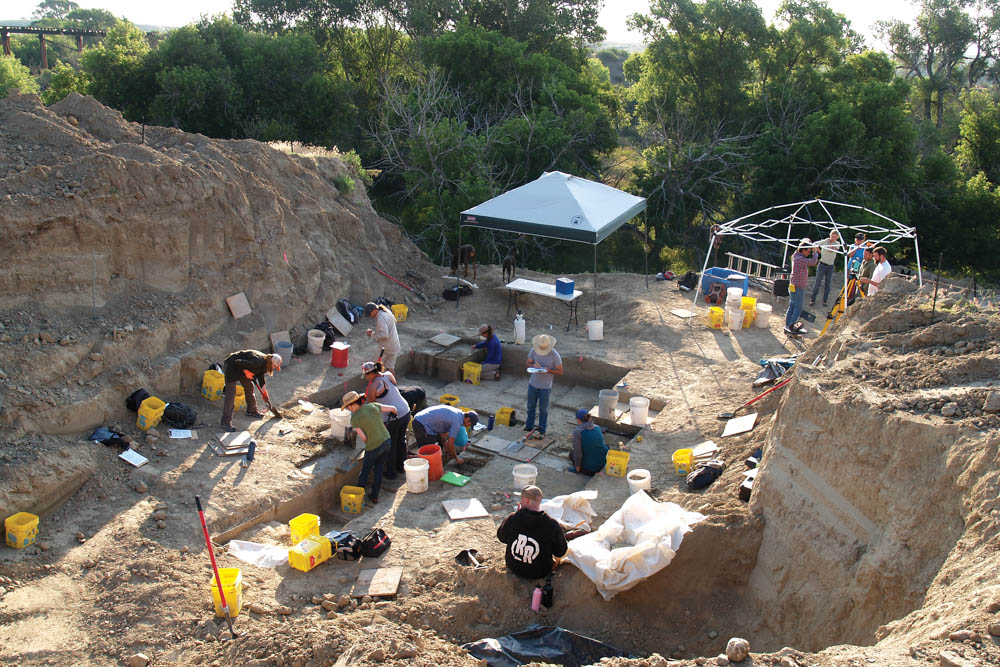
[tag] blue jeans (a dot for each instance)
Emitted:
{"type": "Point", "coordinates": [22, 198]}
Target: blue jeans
{"type": "Point", "coordinates": [542, 397]}
{"type": "Point", "coordinates": [824, 274]}
{"type": "Point", "coordinates": [794, 306]}
{"type": "Point", "coordinates": [374, 461]}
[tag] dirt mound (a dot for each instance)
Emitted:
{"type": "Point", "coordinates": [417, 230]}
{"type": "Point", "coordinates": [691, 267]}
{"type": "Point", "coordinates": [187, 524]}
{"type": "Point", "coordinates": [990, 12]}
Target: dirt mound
{"type": "Point", "coordinates": [123, 243]}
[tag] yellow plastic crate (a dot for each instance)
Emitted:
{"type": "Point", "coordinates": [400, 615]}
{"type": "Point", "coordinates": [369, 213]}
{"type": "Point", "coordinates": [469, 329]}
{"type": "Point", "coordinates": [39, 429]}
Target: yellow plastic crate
{"type": "Point", "coordinates": [748, 303]}
{"type": "Point", "coordinates": [449, 399]}
{"type": "Point", "coordinates": [240, 399]}
{"type": "Point", "coordinates": [352, 499]}
{"type": "Point", "coordinates": [309, 553]}
{"type": "Point", "coordinates": [303, 526]}
{"type": "Point", "coordinates": [150, 413]}
{"type": "Point", "coordinates": [716, 317]}
{"type": "Point", "coordinates": [682, 462]}
{"type": "Point", "coordinates": [21, 529]}
{"type": "Point", "coordinates": [232, 588]}
{"type": "Point", "coordinates": [503, 416]}
{"type": "Point", "coordinates": [213, 383]}
{"type": "Point", "coordinates": [400, 311]}
{"type": "Point", "coordinates": [617, 463]}
{"type": "Point", "coordinates": [471, 372]}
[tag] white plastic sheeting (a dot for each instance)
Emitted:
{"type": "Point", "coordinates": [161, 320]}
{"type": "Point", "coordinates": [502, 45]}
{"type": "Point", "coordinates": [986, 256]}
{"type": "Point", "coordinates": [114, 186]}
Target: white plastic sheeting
{"type": "Point", "coordinates": [572, 511]}
{"type": "Point", "coordinates": [652, 530]}
{"type": "Point", "coordinates": [261, 555]}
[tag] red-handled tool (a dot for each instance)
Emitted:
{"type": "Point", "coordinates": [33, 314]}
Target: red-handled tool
{"type": "Point", "coordinates": [403, 285]}
{"type": "Point", "coordinates": [730, 415]}
{"type": "Point", "coordinates": [215, 569]}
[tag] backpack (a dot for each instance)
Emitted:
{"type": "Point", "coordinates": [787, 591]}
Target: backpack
{"type": "Point", "coordinates": [704, 474]}
{"type": "Point", "coordinates": [382, 301]}
{"type": "Point", "coordinates": [780, 287]}
{"type": "Point", "coordinates": [414, 396]}
{"type": "Point", "coordinates": [688, 282]}
{"type": "Point", "coordinates": [375, 543]}
{"type": "Point", "coordinates": [346, 310]}
{"type": "Point", "coordinates": [330, 332]}
{"type": "Point", "coordinates": [135, 399]}
{"type": "Point", "coordinates": [455, 291]}
{"type": "Point", "coordinates": [347, 547]}
{"type": "Point", "coordinates": [179, 415]}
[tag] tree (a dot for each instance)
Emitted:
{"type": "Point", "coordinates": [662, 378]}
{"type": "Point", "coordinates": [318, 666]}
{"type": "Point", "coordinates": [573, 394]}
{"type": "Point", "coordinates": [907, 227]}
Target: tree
{"type": "Point", "coordinates": [91, 19]}
{"type": "Point", "coordinates": [54, 9]}
{"type": "Point", "coordinates": [15, 75]}
{"type": "Point", "coordinates": [116, 71]}
{"type": "Point", "coordinates": [64, 80]}
{"type": "Point", "coordinates": [978, 149]}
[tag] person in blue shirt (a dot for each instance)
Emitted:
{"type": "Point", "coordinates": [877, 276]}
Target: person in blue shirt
{"type": "Point", "coordinates": [440, 425]}
{"type": "Point", "coordinates": [589, 453]}
{"type": "Point", "coordinates": [494, 352]}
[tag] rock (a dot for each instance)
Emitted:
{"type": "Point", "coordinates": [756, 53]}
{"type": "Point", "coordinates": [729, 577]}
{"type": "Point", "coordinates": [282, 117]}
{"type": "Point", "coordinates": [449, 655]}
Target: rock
{"type": "Point", "coordinates": [161, 524]}
{"type": "Point", "coordinates": [992, 402]}
{"type": "Point", "coordinates": [80, 536]}
{"type": "Point", "coordinates": [316, 599]}
{"type": "Point", "coordinates": [712, 634]}
{"type": "Point", "coordinates": [46, 337]}
{"type": "Point", "coordinates": [366, 599]}
{"type": "Point", "coordinates": [952, 659]}
{"type": "Point", "coordinates": [788, 662]}
{"type": "Point", "coordinates": [378, 655]}
{"type": "Point", "coordinates": [737, 649]}
{"type": "Point", "coordinates": [405, 652]}
{"type": "Point", "coordinates": [657, 660]}
{"type": "Point", "coordinates": [184, 549]}
{"type": "Point", "coordinates": [329, 605]}
{"type": "Point", "coordinates": [960, 635]}
{"type": "Point", "coordinates": [343, 601]}
{"type": "Point", "coordinates": [138, 660]}
{"type": "Point", "coordinates": [96, 356]}
{"type": "Point", "coordinates": [994, 629]}
{"type": "Point", "coordinates": [257, 608]}
{"type": "Point", "coordinates": [721, 659]}
{"type": "Point", "coordinates": [140, 487]}
{"type": "Point", "coordinates": [949, 409]}
{"type": "Point", "coordinates": [44, 546]}
{"type": "Point", "coordinates": [283, 610]}
{"type": "Point", "coordinates": [65, 341]}
{"type": "Point", "coordinates": [160, 515]}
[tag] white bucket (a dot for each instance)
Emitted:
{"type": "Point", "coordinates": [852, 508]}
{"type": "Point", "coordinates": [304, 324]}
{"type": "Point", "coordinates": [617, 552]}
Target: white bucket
{"type": "Point", "coordinates": [638, 407]}
{"type": "Point", "coordinates": [416, 474]}
{"type": "Point", "coordinates": [763, 314]}
{"type": "Point", "coordinates": [734, 294]}
{"type": "Point", "coordinates": [284, 349]}
{"type": "Point", "coordinates": [524, 474]}
{"type": "Point", "coordinates": [595, 329]}
{"type": "Point", "coordinates": [315, 341]}
{"type": "Point", "coordinates": [340, 421]}
{"type": "Point", "coordinates": [607, 400]}
{"type": "Point", "coordinates": [638, 480]}
{"type": "Point", "coordinates": [734, 318]}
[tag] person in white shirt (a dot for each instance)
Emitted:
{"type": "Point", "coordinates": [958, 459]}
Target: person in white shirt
{"type": "Point", "coordinates": [385, 333]}
{"type": "Point", "coordinates": [882, 269]}
{"type": "Point", "coordinates": [824, 270]}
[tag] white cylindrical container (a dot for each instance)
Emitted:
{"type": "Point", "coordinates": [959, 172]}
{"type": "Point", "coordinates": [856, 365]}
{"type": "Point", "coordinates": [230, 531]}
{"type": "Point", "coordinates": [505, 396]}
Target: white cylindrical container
{"type": "Point", "coordinates": [283, 348]}
{"type": "Point", "coordinates": [638, 480]}
{"type": "Point", "coordinates": [734, 294]}
{"type": "Point", "coordinates": [595, 329]}
{"type": "Point", "coordinates": [416, 474]}
{"type": "Point", "coordinates": [763, 314]}
{"type": "Point", "coordinates": [638, 407]}
{"type": "Point", "coordinates": [340, 421]}
{"type": "Point", "coordinates": [607, 400]}
{"type": "Point", "coordinates": [524, 475]}
{"type": "Point", "coordinates": [315, 341]}
{"type": "Point", "coordinates": [519, 330]}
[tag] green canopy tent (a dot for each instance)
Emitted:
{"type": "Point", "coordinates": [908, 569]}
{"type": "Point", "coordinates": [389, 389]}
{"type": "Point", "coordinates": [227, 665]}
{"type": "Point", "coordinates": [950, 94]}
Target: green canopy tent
{"type": "Point", "coordinates": [558, 206]}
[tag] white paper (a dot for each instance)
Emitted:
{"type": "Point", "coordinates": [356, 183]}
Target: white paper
{"type": "Point", "coordinates": [133, 457]}
{"type": "Point", "coordinates": [261, 555]}
{"type": "Point", "coordinates": [537, 370]}
{"type": "Point", "coordinates": [479, 427]}
{"type": "Point", "coordinates": [179, 433]}
{"type": "Point", "coordinates": [306, 406]}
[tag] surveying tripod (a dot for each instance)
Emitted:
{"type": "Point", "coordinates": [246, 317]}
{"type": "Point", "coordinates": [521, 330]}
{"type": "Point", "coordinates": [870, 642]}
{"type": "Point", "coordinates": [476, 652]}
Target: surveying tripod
{"type": "Point", "coordinates": [847, 296]}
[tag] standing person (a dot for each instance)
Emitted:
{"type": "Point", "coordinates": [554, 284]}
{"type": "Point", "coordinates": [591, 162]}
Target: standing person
{"type": "Point", "coordinates": [385, 333]}
{"type": "Point", "coordinates": [856, 252]}
{"type": "Point", "coordinates": [589, 453]}
{"type": "Point", "coordinates": [533, 538]}
{"type": "Point", "coordinates": [824, 269]}
{"type": "Point", "coordinates": [882, 270]}
{"type": "Point", "coordinates": [801, 261]}
{"type": "Point", "coordinates": [494, 351]}
{"type": "Point", "coordinates": [366, 420]}
{"type": "Point", "coordinates": [542, 355]}
{"type": "Point", "coordinates": [244, 367]}
{"type": "Point", "coordinates": [866, 269]}
{"type": "Point", "coordinates": [440, 425]}
{"type": "Point", "coordinates": [382, 388]}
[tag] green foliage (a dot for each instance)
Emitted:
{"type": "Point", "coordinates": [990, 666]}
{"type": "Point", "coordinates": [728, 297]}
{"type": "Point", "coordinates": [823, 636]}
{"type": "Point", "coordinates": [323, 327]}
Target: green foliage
{"type": "Point", "coordinates": [978, 150]}
{"type": "Point", "coordinates": [54, 9]}
{"type": "Point", "coordinates": [344, 184]}
{"type": "Point", "coordinates": [117, 72]}
{"type": "Point", "coordinates": [15, 75]}
{"type": "Point", "coordinates": [63, 81]}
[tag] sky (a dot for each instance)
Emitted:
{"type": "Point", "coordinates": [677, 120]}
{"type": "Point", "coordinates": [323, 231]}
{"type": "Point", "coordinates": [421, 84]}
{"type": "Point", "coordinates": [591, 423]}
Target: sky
{"type": "Point", "coordinates": [861, 13]}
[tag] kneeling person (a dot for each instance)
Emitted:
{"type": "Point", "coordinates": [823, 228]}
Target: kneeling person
{"type": "Point", "coordinates": [440, 424]}
{"type": "Point", "coordinates": [589, 453]}
{"type": "Point", "coordinates": [533, 538]}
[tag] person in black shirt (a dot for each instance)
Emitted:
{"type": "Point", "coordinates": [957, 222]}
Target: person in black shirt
{"type": "Point", "coordinates": [533, 538]}
{"type": "Point", "coordinates": [243, 368]}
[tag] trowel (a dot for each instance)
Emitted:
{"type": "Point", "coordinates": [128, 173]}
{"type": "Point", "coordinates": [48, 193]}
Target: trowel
{"type": "Point", "coordinates": [468, 557]}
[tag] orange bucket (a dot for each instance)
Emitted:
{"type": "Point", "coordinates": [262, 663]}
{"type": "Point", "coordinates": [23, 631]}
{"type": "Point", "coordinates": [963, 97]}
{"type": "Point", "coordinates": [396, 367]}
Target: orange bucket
{"type": "Point", "coordinates": [433, 455]}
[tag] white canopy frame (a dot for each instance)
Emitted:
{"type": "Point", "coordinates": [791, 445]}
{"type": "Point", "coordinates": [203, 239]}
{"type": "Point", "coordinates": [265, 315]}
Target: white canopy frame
{"type": "Point", "coordinates": [766, 225]}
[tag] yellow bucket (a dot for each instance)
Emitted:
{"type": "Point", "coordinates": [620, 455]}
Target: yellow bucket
{"type": "Point", "coordinates": [748, 303]}
{"type": "Point", "coordinates": [150, 413]}
{"type": "Point", "coordinates": [471, 372]}
{"type": "Point", "coordinates": [241, 398]}
{"type": "Point", "coordinates": [503, 416]}
{"type": "Point", "coordinates": [21, 529]}
{"type": "Point", "coordinates": [449, 399]}
{"type": "Point", "coordinates": [716, 317]}
{"type": "Point", "coordinates": [352, 499]}
{"type": "Point", "coordinates": [303, 526]}
{"type": "Point", "coordinates": [682, 462]}
{"type": "Point", "coordinates": [310, 552]}
{"type": "Point", "coordinates": [617, 463]}
{"type": "Point", "coordinates": [400, 311]}
{"type": "Point", "coordinates": [212, 385]}
{"type": "Point", "coordinates": [232, 588]}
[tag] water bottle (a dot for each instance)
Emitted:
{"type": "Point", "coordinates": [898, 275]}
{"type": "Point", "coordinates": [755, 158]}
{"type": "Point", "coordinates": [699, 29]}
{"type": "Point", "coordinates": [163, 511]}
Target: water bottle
{"type": "Point", "coordinates": [536, 598]}
{"type": "Point", "coordinates": [490, 423]}
{"type": "Point", "coordinates": [519, 329]}
{"type": "Point", "coordinates": [547, 592]}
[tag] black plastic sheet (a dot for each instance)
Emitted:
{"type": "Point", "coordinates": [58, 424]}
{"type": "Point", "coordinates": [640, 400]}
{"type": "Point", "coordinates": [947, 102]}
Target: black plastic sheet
{"type": "Point", "coordinates": [542, 643]}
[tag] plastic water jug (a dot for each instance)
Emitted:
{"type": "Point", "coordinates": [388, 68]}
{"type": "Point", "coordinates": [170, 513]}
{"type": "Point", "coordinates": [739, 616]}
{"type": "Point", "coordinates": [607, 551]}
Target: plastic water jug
{"type": "Point", "coordinates": [519, 329]}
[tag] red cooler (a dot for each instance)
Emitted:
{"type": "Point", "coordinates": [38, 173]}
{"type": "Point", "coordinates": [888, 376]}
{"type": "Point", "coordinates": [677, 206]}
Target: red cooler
{"type": "Point", "coordinates": [339, 353]}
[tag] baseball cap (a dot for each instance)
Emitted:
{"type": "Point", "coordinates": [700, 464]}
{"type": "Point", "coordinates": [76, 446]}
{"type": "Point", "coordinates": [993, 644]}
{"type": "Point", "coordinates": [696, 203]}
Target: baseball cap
{"type": "Point", "coordinates": [368, 367]}
{"type": "Point", "coordinates": [581, 413]}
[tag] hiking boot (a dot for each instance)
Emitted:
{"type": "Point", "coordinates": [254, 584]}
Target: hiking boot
{"type": "Point", "coordinates": [373, 499]}
{"type": "Point", "coordinates": [228, 428]}
{"type": "Point", "coordinates": [257, 414]}
{"type": "Point", "coordinates": [812, 302]}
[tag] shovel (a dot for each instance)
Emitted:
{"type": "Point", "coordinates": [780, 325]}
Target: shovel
{"type": "Point", "coordinates": [267, 399]}
{"type": "Point", "coordinates": [468, 557]}
{"type": "Point", "coordinates": [730, 415]}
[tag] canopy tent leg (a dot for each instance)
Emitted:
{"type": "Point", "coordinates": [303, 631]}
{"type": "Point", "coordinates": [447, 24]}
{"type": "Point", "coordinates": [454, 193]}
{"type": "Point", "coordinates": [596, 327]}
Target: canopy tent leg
{"type": "Point", "coordinates": [595, 281]}
{"type": "Point", "coordinates": [458, 281]}
{"type": "Point", "coordinates": [784, 250]}
{"type": "Point", "coordinates": [916, 247]}
{"type": "Point", "coordinates": [704, 267]}
{"type": "Point", "coordinates": [645, 247]}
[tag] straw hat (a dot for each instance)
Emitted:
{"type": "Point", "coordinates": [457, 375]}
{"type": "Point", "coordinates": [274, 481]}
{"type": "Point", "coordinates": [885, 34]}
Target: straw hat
{"type": "Point", "coordinates": [543, 344]}
{"type": "Point", "coordinates": [805, 243]}
{"type": "Point", "coordinates": [350, 397]}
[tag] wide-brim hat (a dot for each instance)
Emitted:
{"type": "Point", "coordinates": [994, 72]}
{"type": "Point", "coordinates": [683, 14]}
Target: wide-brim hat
{"type": "Point", "coordinates": [350, 397]}
{"type": "Point", "coordinates": [543, 344]}
{"type": "Point", "coordinates": [805, 243]}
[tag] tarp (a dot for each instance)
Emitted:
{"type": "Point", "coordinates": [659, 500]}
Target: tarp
{"type": "Point", "coordinates": [573, 511]}
{"type": "Point", "coordinates": [653, 531]}
{"type": "Point", "coordinates": [558, 206]}
{"type": "Point", "coordinates": [546, 644]}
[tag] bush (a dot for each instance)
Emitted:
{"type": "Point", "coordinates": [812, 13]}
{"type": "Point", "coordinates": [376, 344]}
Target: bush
{"type": "Point", "coordinates": [344, 184]}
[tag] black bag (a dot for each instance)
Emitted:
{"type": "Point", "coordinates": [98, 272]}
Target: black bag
{"type": "Point", "coordinates": [375, 543]}
{"type": "Point", "coordinates": [346, 310]}
{"type": "Point", "coordinates": [330, 332]}
{"type": "Point", "coordinates": [382, 301]}
{"type": "Point", "coordinates": [180, 415]}
{"type": "Point", "coordinates": [135, 400]}
{"type": "Point", "coordinates": [455, 291]}
{"type": "Point", "coordinates": [688, 282]}
{"type": "Point", "coordinates": [780, 287]}
{"type": "Point", "coordinates": [348, 548]}
{"type": "Point", "coordinates": [704, 475]}
{"type": "Point", "coordinates": [414, 396]}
